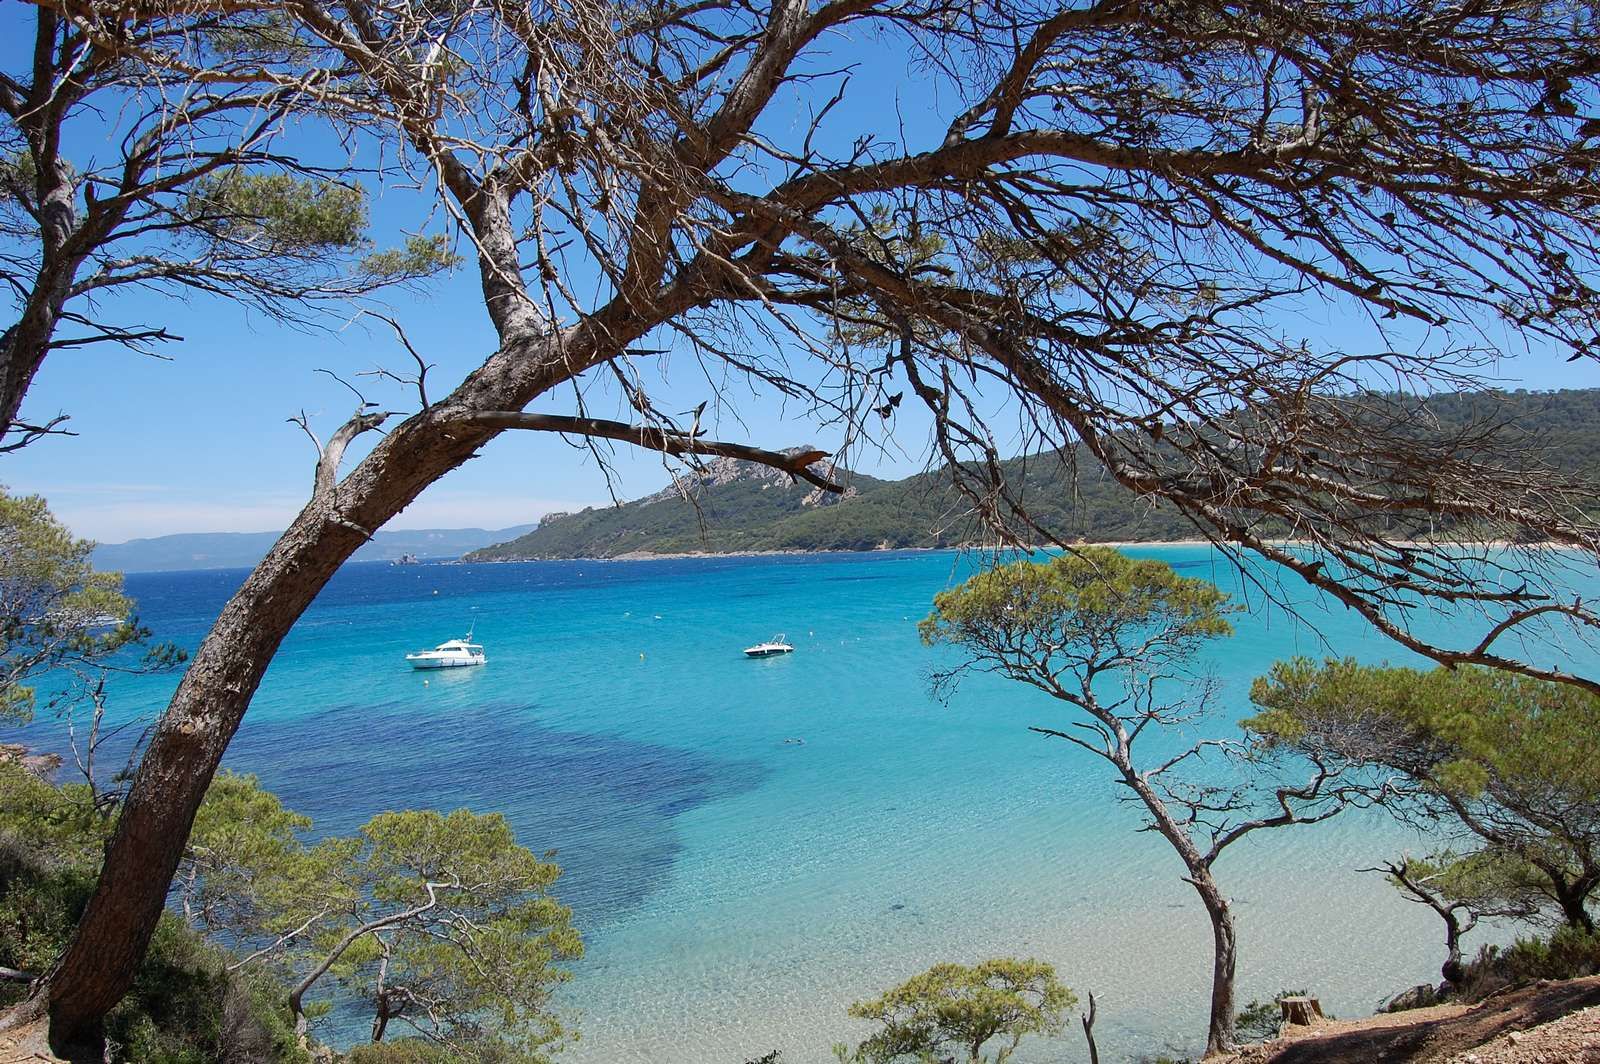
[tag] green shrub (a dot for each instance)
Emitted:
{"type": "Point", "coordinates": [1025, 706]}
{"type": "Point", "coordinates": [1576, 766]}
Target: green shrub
{"type": "Point", "coordinates": [1569, 953]}
{"type": "Point", "coordinates": [955, 1009]}
{"type": "Point", "coordinates": [39, 909]}
{"type": "Point", "coordinates": [482, 1050]}
{"type": "Point", "coordinates": [185, 1007]}
{"type": "Point", "coordinates": [398, 1051]}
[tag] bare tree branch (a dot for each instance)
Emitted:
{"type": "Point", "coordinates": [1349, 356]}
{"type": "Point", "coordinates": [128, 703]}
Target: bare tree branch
{"type": "Point", "coordinates": [797, 463]}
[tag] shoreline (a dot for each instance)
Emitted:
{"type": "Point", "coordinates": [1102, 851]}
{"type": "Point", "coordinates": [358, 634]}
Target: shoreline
{"type": "Point", "coordinates": [1036, 548]}
{"type": "Point", "coordinates": [654, 556]}
{"type": "Point", "coordinates": [1032, 548]}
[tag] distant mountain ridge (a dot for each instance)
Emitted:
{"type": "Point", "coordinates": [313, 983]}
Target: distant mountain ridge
{"type": "Point", "coordinates": [230, 550]}
{"type": "Point", "coordinates": [741, 507]}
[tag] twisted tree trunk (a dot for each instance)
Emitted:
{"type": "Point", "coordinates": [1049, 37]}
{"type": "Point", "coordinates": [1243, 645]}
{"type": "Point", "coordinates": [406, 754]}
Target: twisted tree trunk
{"type": "Point", "coordinates": [1453, 969]}
{"type": "Point", "coordinates": [187, 744]}
{"type": "Point", "coordinates": [24, 345]}
{"type": "Point", "coordinates": [1224, 962]}
{"type": "Point", "coordinates": [22, 352]}
{"type": "Point", "coordinates": [1225, 947]}
{"type": "Point", "coordinates": [1572, 894]}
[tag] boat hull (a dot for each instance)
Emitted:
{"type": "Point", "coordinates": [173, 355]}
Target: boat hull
{"type": "Point", "coordinates": [774, 653]}
{"type": "Point", "coordinates": [437, 663]}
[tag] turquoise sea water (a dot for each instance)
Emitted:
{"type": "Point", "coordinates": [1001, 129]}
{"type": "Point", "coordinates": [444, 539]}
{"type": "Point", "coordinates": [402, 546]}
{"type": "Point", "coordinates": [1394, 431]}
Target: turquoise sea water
{"type": "Point", "coordinates": [736, 891]}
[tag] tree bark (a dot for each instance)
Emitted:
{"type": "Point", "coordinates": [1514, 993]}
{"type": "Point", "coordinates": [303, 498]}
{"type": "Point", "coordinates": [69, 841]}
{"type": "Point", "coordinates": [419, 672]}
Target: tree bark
{"type": "Point", "coordinates": [1575, 909]}
{"type": "Point", "coordinates": [1224, 961]}
{"type": "Point", "coordinates": [25, 344]}
{"type": "Point", "coordinates": [188, 742]}
{"type": "Point", "coordinates": [1454, 928]}
{"type": "Point", "coordinates": [1300, 1011]}
{"type": "Point", "coordinates": [1571, 893]}
{"type": "Point", "coordinates": [1088, 1031]}
{"type": "Point", "coordinates": [177, 768]}
{"type": "Point", "coordinates": [21, 355]}
{"type": "Point", "coordinates": [62, 239]}
{"type": "Point", "coordinates": [380, 1016]}
{"type": "Point", "coordinates": [380, 1020]}
{"type": "Point", "coordinates": [1452, 970]}
{"type": "Point", "coordinates": [1224, 957]}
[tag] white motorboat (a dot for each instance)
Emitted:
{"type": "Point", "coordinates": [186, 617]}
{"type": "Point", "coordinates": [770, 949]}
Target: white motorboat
{"type": "Point", "coordinates": [452, 653]}
{"type": "Point", "coordinates": [770, 649]}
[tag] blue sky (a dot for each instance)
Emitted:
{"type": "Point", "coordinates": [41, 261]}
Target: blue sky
{"type": "Point", "coordinates": [199, 440]}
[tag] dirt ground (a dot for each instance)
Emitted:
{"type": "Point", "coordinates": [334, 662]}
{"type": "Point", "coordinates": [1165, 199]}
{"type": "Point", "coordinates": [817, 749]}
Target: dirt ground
{"type": "Point", "coordinates": [1550, 1023]}
{"type": "Point", "coordinates": [26, 1045]}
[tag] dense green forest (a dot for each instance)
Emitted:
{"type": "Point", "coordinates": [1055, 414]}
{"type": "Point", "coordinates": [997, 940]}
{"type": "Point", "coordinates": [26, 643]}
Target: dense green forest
{"type": "Point", "coordinates": [739, 507]}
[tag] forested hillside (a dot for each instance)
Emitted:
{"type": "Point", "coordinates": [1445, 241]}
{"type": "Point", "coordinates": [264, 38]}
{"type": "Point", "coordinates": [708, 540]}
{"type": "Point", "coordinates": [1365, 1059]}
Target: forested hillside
{"type": "Point", "coordinates": [739, 507]}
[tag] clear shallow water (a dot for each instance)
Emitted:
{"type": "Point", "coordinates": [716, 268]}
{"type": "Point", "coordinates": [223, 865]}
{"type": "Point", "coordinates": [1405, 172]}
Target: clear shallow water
{"type": "Point", "coordinates": [735, 891]}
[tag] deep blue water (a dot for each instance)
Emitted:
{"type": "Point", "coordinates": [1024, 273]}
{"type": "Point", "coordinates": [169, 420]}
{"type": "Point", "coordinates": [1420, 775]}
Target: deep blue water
{"type": "Point", "coordinates": [736, 890]}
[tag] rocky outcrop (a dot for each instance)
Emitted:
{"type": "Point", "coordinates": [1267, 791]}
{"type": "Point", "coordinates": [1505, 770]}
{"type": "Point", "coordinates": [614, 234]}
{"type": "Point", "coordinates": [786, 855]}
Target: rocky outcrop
{"type": "Point", "coordinates": [1421, 996]}
{"type": "Point", "coordinates": [45, 766]}
{"type": "Point", "coordinates": [719, 472]}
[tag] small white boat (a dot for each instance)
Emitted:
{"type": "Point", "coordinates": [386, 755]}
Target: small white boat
{"type": "Point", "coordinates": [770, 649]}
{"type": "Point", "coordinates": [450, 654]}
